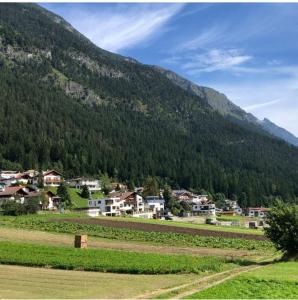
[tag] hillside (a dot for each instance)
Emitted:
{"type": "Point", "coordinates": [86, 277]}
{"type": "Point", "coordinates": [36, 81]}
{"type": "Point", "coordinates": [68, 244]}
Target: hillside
{"type": "Point", "coordinates": [69, 105]}
{"type": "Point", "coordinates": [228, 109]}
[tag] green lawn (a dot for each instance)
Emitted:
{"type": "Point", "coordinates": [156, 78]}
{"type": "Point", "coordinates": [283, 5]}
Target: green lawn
{"type": "Point", "coordinates": [277, 281]}
{"type": "Point", "coordinates": [77, 200]}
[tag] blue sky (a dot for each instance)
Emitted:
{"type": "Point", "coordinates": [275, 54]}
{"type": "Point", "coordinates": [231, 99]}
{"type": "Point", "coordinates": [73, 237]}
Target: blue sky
{"type": "Point", "coordinates": [247, 51]}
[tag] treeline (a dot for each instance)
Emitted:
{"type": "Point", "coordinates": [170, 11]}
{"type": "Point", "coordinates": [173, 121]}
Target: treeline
{"type": "Point", "coordinates": [145, 125]}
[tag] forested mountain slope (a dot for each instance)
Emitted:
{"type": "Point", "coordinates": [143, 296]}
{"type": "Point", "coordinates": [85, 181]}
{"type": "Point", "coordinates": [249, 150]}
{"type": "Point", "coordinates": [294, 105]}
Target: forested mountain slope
{"type": "Point", "coordinates": [228, 109]}
{"type": "Point", "coordinates": [69, 105]}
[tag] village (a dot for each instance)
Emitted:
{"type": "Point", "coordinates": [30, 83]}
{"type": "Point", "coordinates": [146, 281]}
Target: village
{"type": "Point", "coordinates": [22, 187]}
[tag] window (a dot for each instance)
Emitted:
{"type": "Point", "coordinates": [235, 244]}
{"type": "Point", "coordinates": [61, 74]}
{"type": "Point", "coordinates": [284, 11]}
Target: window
{"type": "Point", "coordinates": [98, 202]}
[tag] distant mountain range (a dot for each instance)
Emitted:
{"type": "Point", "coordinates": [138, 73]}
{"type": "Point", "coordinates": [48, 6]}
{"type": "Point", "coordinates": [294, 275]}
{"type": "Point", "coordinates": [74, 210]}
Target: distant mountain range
{"type": "Point", "coordinates": [227, 108]}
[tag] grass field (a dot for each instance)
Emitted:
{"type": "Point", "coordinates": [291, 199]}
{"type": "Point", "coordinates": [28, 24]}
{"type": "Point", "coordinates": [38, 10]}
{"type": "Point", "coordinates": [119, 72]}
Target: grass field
{"type": "Point", "coordinates": [44, 223]}
{"type": "Point", "coordinates": [277, 281]}
{"type": "Point", "coordinates": [109, 260]}
{"type": "Point", "coordinates": [62, 239]}
{"type": "Point", "coordinates": [38, 283]}
{"type": "Point", "coordinates": [77, 200]}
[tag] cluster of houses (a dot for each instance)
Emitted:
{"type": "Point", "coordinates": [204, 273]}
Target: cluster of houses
{"type": "Point", "coordinates": [15, 185]}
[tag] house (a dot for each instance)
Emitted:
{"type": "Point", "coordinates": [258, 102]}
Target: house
{"type": "Point", "coordinates": [232, 205]}
{"type": "Point", "coordinates": [93, 185]}
{"type": "Point", "coordinates": [133, 202]}
{"type": "Point", "coordinates": [50, 178]}
{"type": "Point", "coordinates": [182, 195]}
{"type": "Point", "coordinates": [107, 206]}
{"type": "Point", "coordinates": [117, 204]}
{"type": "Point", "coordinates": [13, 193]}
{"type": "Point", "coordinates": [156, 204]}
{"type": "Point", "coordinates": [203, 208]}
{"type": "Point", "coordinates": [118, 186]}
{"type": "Point", "coordinates": [53, 201]}
{"type": "Point", "coordinates": [257, 212]}
{"type": "Point", "coordinates": [8, 174]}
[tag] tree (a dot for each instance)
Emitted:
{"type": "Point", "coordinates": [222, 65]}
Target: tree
{"type": "Point", "coordinates": [62, 192]}
{"type": "Point", "coordinates": [85, 192]}
{"type": "Point", "coordinates": [219, 199]}
{"type": "Point", "coordinates": [40, 182]}
{"type": "Point", "coordinates": [168, 197]}
{"type": "Point", "coordinates": [151, 187]}
{"type": "Point", "coordinates": [32, 205]}
{"type": "Point", "coordinates": [283, 228]}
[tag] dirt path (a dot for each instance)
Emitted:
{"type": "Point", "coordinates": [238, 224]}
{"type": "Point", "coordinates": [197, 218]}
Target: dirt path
{"type": "Point", "coordinates": [188, 289]}
{"type": "Point", "coordinates": [20, 235]}
{"type": "Point", "coordinates": [161, 228]}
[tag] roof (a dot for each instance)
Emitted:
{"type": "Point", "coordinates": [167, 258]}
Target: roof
{"type": "Point", "coordinates": [259, 208]}
{"type": "Point", "coordinates": [12, 190]}
{"type": "Point", "coordinates": [45, 173]}
{"type": "Point", "coordinates": [121, 195]}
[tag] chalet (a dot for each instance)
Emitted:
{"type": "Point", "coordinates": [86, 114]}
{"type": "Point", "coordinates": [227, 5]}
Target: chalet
{"type": "Point", "coordinates": [53, 201]}
{"type": "Point", "coordinates": [13, 193]}
{"type": "Point", "coordinates": [182, 195]}
{"type": "Point", "coordinates": [93, 185]}
{"type": "Point", "coordinates": [257, 212]}
{"type": "Point", "coordinates": [8, 174]}
{"type": "Point", "coordinates": [118, 186]}
{"type": "Point", "coordinates": [50, 178]}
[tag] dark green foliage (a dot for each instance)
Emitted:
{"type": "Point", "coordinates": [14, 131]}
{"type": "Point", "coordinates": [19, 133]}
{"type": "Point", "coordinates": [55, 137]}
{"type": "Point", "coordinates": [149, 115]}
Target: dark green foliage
{"type": "Point", "coordinates": [63, 193]}
{"type": "Point", "coordinates": [143, 125]}
{"type": "Point", "coordinates": [283, 228]}
{"type": "Point", "coordinates": [32, 205]}
{"type": "Point", "coordinates": [13, 208]}
{"type": "Point", "coordinates": [151, 187]}
{"type": "Point", "coordinates": [85, 192]}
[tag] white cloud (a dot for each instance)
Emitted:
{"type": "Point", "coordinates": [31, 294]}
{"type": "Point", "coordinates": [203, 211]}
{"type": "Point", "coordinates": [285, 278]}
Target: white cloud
{"type": "Point", "coordinates": [215, 60]}
{"type": "Point", "coordinates": [256, 106]}
{"type": "Point", "coordinates": [123, 26]}
{"type": "Point", "coordinates": [205, 39]}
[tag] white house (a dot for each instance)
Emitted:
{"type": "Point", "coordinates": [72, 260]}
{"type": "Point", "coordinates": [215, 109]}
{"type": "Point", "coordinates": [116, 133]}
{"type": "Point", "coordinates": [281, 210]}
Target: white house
{"type": "Point", "coordinates": [204, 208]}
{"type": "Point", "coordinates": [107, 206]}
{"type": "Point", "coordinates": [93, 185]}
{"type": "Point", "coordinates": [117, 204]}
{"type": "Point", "coordinates": [155, 204]}
{"type": "Point", "coordinates": [257, 212]}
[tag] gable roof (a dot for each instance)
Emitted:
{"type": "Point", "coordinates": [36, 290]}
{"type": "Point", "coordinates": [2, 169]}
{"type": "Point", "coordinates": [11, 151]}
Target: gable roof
{"type": "Point", "coordinates": [12, 190]}
{"type": "Point", "coordinates": [45, 173]}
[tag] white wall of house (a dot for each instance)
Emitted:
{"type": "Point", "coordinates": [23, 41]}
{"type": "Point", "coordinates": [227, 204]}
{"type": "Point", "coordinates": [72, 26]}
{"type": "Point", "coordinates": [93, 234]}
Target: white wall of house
{"type": "Point", "coordinates": [92, 184]}
{"type": "Point", "coordinates": [208, 209]}
{"type": "Point", "coordinates": [155, 204]}
{"type": "Point", "coordinates": [52, 180]}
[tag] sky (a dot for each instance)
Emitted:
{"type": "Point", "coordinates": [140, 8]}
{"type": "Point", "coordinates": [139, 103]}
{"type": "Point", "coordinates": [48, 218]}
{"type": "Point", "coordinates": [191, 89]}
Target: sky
{"type": "Point", "coordinates": [248, 51]}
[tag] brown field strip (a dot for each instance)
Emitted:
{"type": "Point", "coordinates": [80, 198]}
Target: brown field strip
{"type": "Point", "coordinates": [160, 228]}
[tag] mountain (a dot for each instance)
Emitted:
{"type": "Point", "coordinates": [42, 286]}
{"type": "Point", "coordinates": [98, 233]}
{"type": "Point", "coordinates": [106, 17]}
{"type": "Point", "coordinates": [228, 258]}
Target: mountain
{"type": "Point", "coordinates": [69, 105]}
{"type": "Point", "coordinates": [279, 132]}
{"type": "Point", "coordinates": [227, 108]}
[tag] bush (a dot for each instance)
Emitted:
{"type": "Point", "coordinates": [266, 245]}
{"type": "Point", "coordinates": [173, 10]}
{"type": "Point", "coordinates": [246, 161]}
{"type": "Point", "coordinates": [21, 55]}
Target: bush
{"type": "Point", "coordinates": [283, 228]}
{"type": "Point", "coordinates": [13, 208]}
